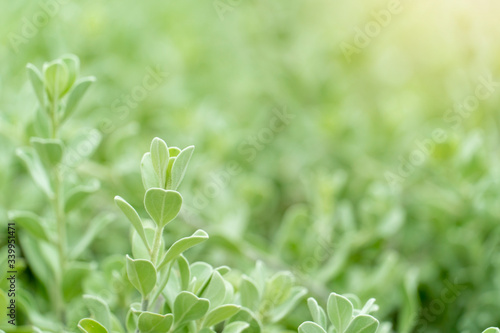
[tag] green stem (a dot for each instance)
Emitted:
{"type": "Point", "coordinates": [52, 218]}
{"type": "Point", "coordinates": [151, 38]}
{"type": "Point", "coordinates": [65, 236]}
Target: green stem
{"type": "Point", "coordinates": [155, 252]}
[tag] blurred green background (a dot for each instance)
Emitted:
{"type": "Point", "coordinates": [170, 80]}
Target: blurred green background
{"type": "Point", "coordinates": [382, 179]}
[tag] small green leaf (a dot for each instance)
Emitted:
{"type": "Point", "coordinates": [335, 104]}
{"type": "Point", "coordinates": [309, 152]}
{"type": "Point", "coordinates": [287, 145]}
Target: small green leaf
{"type": "Point", "coordinates": [339, 311]}
{"type": "Point", "coordinates": [184, 272]}
{"type": "Point", "coordinates": [32, 223]}
{"type": "Point", "coordinates": [76, 94]}
{"type": "Point", "coordinates": [249, 294]}
{"type": "Point", "coordinates": [148, 174]}
{"type": "Point", "coordinates": [188, 307]}
{"type": "Point", "coordinates": [142, 274]}
{"type": "Point", "coordinates": [184, 244]}
{"type": "Point", "coordinates": [173, 151]}
{"type": "Point", "coordinates": [88, 325]}
{"type": "Point", "coordinates": [56, 78]}
{"type": "Point", "coordinates": [220, 314]}
{"type": "Point", "coordinates": [180, 165]}
{"type": "Point", "coordinates": [36, 170]}
{"type": "Point", "coordinates": [73, 65]}
{"type": "Point", "coordinates": [363, 324]}
{"type": "Point", "coordinates": [159, 158]}
{"type": "Point", "coordinates": [50, 151]}
{"type": "Point", "coordinates": [98, 309]}
{"type": "Point", "coordinates": [150, 322]}
{"type": "Point", "coordinates": [245, 315]}
{"type": "Point", "coordinates": [236, 327]}
{"type": "Point", "coordinates": [79, 193]}
{"type": "Point", "coordinates": [133, 217]}
{"type": "Point", "coordinates": [280, 311]}
{"type": "Point", "coordinates": [37, 83]}
{"type": "Point", "coordinates": [215, 291]}
{"type": "Point", "coordinates": [492, 330]}
{"type": "Point", "coordinates": [317, 312]}
{"type": "Point", "coordinates": [310, 327]}
{"type": "Point", "coordinates": [162, 205]}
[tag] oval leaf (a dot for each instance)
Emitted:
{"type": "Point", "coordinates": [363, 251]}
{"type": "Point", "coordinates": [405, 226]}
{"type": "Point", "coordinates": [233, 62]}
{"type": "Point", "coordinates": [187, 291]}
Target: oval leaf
{"type": "Point", "coordinates": [339, 311]}
{"type": "Point", "coordinates": [150, 322]}
{"type": "Point", "coordinates": [159, 159]}
{"type": "Point", "coordinates": [184, 244]}
{"type": "Point", "coordinates": [142, 275]}
{"type": "Point", "coordinates": [180, 165]}
{"type": "Point", "coordinates": [88, 325]}
{"type": "Point", "coordinates": [76, 95]}
{"type": "Point", "coordinates": [162, 205]}
{"type": "Point", "coordinates": [310, 327]}
{"type": "Point", "coordinates": [219, 314]}
{"type": "Point", "coordinates": [133, 217]}
{"type": "Point", "coordinates": [188, 307]}
{"type": "Point", "coordinates": [363, 324]}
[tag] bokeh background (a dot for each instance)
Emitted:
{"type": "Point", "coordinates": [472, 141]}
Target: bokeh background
{"type": "Point", "coordinates": [353, 143]}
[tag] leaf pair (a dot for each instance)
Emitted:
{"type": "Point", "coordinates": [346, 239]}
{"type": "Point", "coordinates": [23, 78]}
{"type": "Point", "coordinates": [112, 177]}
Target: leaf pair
{"type": "Point", "coordinates": [164, 167]}
{"type": "Point", "coordinates": [340, 312]}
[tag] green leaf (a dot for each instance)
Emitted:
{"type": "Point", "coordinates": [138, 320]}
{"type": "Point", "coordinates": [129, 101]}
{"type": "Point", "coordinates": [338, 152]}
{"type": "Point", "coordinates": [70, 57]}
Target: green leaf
{"type": "Point", "coordinates": [36, 80]}
{"type": "Point", "coordinates": [148, 174]}
{"type": "Point", "coordinates": [97, 224]}
{"type": "Point", "coordinates": [159, 159]}
{"type": "Point", "coordinates": [150, 322]}
{"type": "Point", "coordinates": [219, 314]}
{"type": "Point", "coordinates": [363, 324]}
{"type": "Point", "coordinates": [173, 151]}
{"type": "Point", "coordinates": [310, 327]}
{"type": "Point", "coordinates": [188, 307]}
{"type": "Point", "coordinates": [88, 325]}
{"type": "Point", "coordinates": [30, 222]}
{"type": "Point", "coordinates": [280, 311]}
{"type": "Point", "coordinates": [279, 286]}
{"type": "Point", "coordinates": [162, 205]}
{"type": "Point", "coordinates": [142, 275]}
{"type": "Point", "coordinates": [76, 94]}
{"type": "Point", "coordinates": [36, 170]}
{"type": "Point", "coordinates": [247, 316]}
{"type": "Point", "coordinates": [339, 311]}
{"type": "Point", "coordinates": [50, 151]}
{"type": "Point", "coordinates": [184, 272]}
{"type": "Point", "coordinates": [236, 327]}
{"type": "Point", "coordinates": [492, 330]}
{"type": "Point", "coordinates": [184, 244]}
{"type": "Point", "coordinates": [133, 217]}
{"type": "Point", "coordinates": [79, 193]}
{"type": "Point", "coordinates": [74, 274]}
{"type": "Point", "coordinates": [98, 309]}
{"type": "Point", "coordinates": [73, 65]}
{"type": "Point", "coordinates": [179, 166]}
{"type": "Point", "coordinates": [317, 312]}
{"type": "Point", "coordinates": [56, 78]}
{"type": "Point", "coordinates": [215, 290]}
{"type": "Point", "coordinates": [249, 294]}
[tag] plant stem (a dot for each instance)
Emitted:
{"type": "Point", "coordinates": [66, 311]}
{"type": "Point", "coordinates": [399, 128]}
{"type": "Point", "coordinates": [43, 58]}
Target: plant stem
{"type": "Point", "coordinates": [156, 245]}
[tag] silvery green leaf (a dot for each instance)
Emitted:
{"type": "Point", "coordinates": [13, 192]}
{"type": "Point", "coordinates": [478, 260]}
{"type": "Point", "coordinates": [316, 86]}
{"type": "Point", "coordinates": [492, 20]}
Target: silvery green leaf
{"type": "Point", "coordinates": [339, 311]}
{"type": "Point", "coordinates": [184, 244]}
{"type": "Point", "coordinates": [56, 78]}
{"type": "Point", "coordinates": [98, 309]}
{"type": "Point", "coordinates": [310, 327]}
{"type": "Point", "coordinates": [148, 174]}
{"type": "Point", "coordinates": [79, 193]}
{"type": "Point", "coordinates": [96, 224]}
{"type": "Point", "coordinates": [202, 272]}
{"type": "Point", "coordinates": [184, 272]}
{"type": "Point", "coordinates": [75, 273]}
{"type": "Point", "coordinates": [88, 325]}
{"type": "Point", "coordinates": [235, 327]}
{"type": "Point", "coordinates": [180, 165]}
{"type": "Point", "coordinates": [150, 322]}
{"type": "Point", "coordinates": [279, 286]}
{"type": "Point", "coordinates": [317, 312]}
{"type": "Point", "coordinates": [245, 315]}
{"type": "Point", "coordinates": [76, 94]}
{"type": "Point", "coordinates": [159, 159]}
{"type": "Point", "coordinates": [133, 217]}
{"type": "Point", "coordinates": [50, 151]}
{"type": "Point", "coordinates": [36, 170]}
{"type": "Point", "coordinates": [249, 294]}
{"type": "Point", "coordinates": [188, 307]}
{"type": "Point", "coordinates": [162, 205]}
{"type": "Point", "coordinates": [363, 324]}
{"type": "Point", "coordinates": [215, 291]}
{"type": "Point", "coordinates": [280, 311]}
{"type": "Point", "coordinates": [30, 222]}
{"type": "Point", "coordinates": [142, 274]}
{"type": "Point", "coordinates": [220, 314]}
{"type": "Point", "coordinates": [37, 83]}
{"type": "Point", "coordinates": [73, 65]}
